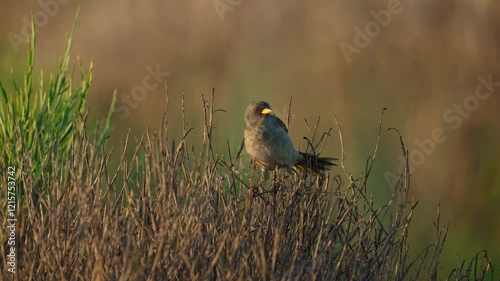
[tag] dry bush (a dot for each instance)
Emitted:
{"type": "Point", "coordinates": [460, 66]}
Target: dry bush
{"type": "Point", "coordinates": [173, 213]}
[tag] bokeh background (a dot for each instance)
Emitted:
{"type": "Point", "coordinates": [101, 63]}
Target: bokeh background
{"type": "Point", "coordinates": [422, 65]}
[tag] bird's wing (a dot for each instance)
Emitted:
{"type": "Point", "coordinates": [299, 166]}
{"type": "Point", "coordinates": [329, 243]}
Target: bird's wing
{"type": "Point", "coordinates": [281, 124]}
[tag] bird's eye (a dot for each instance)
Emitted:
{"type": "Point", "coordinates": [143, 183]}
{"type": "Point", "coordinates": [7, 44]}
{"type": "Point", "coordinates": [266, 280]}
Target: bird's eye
{"type": "Point", "coordinates": [256, 109]}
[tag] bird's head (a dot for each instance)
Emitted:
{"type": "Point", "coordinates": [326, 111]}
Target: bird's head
{"type": "Point", "coordinates": [256, 111]}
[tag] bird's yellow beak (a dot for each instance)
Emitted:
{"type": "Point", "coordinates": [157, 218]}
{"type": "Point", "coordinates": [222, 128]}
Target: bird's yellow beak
{"type": "Point", "coordinates": [266, 111]}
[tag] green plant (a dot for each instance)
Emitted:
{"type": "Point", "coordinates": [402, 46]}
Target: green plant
{"type": "Point", "coordinates": [38, 118]}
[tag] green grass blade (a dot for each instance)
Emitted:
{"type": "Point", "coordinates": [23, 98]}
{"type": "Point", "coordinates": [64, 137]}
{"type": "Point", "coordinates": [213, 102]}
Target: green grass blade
{"type": "Point", "coordinates": [109, 119]}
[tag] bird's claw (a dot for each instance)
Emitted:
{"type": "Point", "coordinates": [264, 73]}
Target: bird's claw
{"type": "Point", "coordinates": [255, 191]}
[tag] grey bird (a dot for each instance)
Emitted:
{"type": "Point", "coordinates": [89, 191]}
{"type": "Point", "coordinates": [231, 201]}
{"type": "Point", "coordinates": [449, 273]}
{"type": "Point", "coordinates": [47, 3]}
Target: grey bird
{"type": "Point", "coordinates": [267, 142]}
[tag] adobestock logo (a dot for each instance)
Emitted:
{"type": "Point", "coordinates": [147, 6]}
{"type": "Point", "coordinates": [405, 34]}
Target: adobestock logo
{"type": "Point", "coordinates": [140, 92]}
{"type": "Point", "coordinates": [363, 37]}
{"type": "Point", "coordinates": [126, 102]}
{"type": "Point", "coordinates": [47, 10]}
{"type": "Point", "coordinates": [453, 117]}
{"type": "Point", "coordinates": [223, 6]}
{"type": "Point", "coordinates": [277, 9]}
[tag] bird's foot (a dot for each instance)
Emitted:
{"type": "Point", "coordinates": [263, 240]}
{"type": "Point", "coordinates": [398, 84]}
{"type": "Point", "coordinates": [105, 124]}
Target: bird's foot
{"type": "Point", "coordinates": [256, 191]}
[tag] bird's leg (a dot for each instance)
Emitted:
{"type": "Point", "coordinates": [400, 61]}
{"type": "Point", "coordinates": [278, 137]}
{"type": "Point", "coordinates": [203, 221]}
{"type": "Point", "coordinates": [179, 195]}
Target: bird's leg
{"type": "Point", "coordinates": [266, 175]}
{"type": "Point", "coordinates": [290, 172]}
{"type": "Point", "coordinates": [257, 188]}
{"type": "Point", "coordinates": [275, 185]}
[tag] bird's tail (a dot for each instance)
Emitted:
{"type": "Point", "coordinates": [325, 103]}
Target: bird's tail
{"type": "Point", "coordinates": [314, 164]}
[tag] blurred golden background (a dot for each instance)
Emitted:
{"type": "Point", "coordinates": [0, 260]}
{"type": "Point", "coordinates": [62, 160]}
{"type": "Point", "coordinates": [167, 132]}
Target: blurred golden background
{"type": "Point", "coordinates": [433, 64]}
